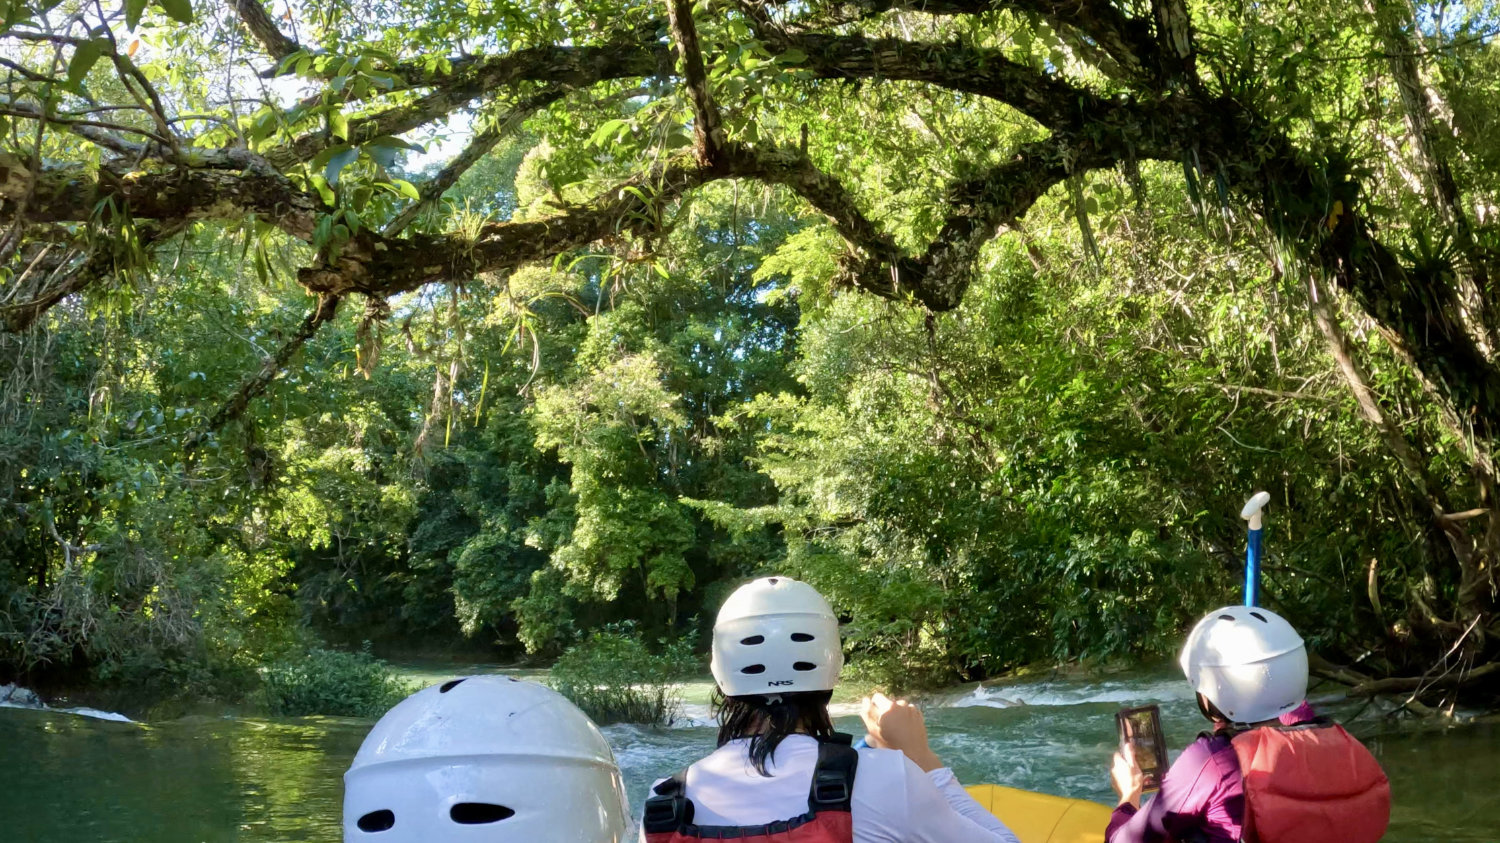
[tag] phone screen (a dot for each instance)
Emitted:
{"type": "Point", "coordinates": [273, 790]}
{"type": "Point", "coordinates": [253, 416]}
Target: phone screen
{"type": "Point", "coordinates": [1140, 728]}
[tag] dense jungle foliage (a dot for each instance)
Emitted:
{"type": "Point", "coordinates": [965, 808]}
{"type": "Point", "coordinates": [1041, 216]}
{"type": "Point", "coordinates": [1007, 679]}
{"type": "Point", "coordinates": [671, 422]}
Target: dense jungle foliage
{"type": "Point", "coordinates": [490, 326]}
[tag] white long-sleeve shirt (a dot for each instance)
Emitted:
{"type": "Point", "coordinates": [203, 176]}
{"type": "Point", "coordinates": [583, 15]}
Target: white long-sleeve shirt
{"type": "Point", "coordinates": [894, 801]}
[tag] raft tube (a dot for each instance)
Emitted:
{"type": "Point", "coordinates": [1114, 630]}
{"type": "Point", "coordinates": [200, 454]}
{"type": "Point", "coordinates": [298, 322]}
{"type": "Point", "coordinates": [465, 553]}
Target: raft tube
{"type": "Point", "coordinates": [1042, 818]}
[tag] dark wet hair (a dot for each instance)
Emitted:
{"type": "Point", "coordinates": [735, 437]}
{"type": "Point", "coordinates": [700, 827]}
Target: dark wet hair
{"type": "Point", "coordinates": [1223, 723]}
{"type": "Point", "coordinates": [767, 723]}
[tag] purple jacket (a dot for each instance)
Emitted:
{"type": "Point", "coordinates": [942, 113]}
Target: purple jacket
{"type": "Point", "coordinates": [1202, 796]}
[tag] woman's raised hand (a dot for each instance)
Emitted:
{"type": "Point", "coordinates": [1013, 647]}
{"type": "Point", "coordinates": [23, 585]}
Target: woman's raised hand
{"type": "Point", "coordinates": [898, 725]}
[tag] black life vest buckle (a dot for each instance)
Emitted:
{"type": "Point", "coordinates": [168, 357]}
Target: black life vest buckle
{"type": "Point", "coordinates": [831, 787]}
{"type": "Point", "coordinates": [663, 811]}
{"type": "Point", "coordinates": [668, 809]}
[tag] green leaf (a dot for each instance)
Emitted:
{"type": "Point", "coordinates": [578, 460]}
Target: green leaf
{"type": "Point", "coordinates": [285, 64]}
{"type": "Point", "coordinates": [133, 10]}
{"type": "Point", "coordinates": [178, 10]}
{"type": "Point", "coordinates": [322, 232]}
{"type": "Point", "coordinates": [407, 189]}
{"type": "Point", "coordinates": [85, 56]}
{"type": "Point", "coordinates": [262, 264]}
{"type": "Point", "coordinates": [394, 143]}
{"type": "Point", "coordinates": [338, 124]}
{"type": "Point", "coordinates": [338, 161]}
{"type": "Point", "coordinates": [382, 80]}
{"type": "Point", "coordinates": [321, 185]}
{"type": "Point", "coordinates": [607, 132]}
{"type": "Point", "coordinates": [385, 149]}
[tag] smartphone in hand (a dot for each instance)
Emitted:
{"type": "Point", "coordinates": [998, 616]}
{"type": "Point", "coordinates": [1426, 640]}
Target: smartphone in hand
{"type": "Point", "coordinates": [1140, 729]}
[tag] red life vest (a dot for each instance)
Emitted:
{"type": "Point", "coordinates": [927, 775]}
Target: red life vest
{"type": "Point", "coordinates": [669, 813]}
{"type": "Point", "coordinates": [1311, 783]}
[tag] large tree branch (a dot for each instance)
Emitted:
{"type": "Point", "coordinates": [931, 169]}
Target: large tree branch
{"type": "Point", "coordinates": [938, 278]}
{"type": "Point", "coordinates": [795, 171]}
{"type": "Point", "coordinates": [260, 25]}
{"type": "Point", "coordinates": [377, 267]}
{"type": "Point", "coordinates": [68, 263]}
{"type": "Point", "coordinates": [707, 129]}
{"type": "Point", "coordinates": [1126, 40]}
{"type": "Point", "coordinates": [182, 193]}
{"type": "Point", "coordinates": [954, 65]}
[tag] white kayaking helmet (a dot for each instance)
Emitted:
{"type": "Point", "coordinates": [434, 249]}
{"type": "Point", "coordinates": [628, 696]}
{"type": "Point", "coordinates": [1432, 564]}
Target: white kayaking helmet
{"type": "Point", "coordinates": [485, 758]}
{"type": "Point", "coordinates": [1249, 662]}
{"type": "Point", "coordinates": [776, 636]}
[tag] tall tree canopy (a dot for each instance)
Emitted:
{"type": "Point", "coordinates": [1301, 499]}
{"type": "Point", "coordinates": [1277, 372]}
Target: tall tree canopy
{"type": "Point", "coordinates": [1060, 197]}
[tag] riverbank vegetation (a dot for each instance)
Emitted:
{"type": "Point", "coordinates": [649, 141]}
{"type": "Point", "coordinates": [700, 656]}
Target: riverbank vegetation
{"type": "Point", "coordinates": [616, 678]}
{"type": "Point", "coordinates": [445, 326]}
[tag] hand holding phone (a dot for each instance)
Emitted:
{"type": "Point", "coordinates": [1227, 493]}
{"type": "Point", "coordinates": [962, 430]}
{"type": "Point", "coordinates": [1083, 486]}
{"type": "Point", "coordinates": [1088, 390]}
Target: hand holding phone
{"type": "Point", "coordinates": [1141, 740]}
{"type": "Point", "coordinates": [1126, 777]}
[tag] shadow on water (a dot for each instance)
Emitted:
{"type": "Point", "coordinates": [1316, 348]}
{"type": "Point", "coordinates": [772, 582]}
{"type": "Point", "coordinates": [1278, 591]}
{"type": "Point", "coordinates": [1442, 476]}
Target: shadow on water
{"type": "Point", "coordinates": [69, 779]}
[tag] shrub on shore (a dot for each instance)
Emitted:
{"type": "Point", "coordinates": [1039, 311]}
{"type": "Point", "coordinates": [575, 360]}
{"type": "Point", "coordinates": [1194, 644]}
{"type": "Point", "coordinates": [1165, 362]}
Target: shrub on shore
{"type": "Point", "coordinates": [334, 683]}
{"type": "Point", "coordinates": [616, 678]}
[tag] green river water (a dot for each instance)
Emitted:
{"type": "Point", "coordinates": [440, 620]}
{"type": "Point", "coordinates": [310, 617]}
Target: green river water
{"type": "Point", "coordinates": [67, 778]}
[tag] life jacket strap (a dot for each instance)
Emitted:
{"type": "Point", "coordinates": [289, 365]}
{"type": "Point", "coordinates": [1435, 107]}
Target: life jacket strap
{"type": "Point", "coordinates": [669, 811]}
{"type": "Point", "coordinates": [833, 778]}
{"type": "Point", "coordinates": [668, 808]}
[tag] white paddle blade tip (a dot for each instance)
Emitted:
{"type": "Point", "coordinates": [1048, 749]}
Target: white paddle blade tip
{"type": "Point", "coordinates": [1252, 509]}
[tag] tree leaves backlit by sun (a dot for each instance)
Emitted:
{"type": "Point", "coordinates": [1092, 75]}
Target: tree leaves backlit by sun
{"type": "Point", "coordinates": [520, 318]}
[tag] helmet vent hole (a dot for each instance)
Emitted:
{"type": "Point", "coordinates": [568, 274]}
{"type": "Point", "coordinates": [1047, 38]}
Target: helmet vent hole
{"type": "Point", "coordinates": [448, 686]}
{"type": "Point", "coordinates": [1258, 616]}
{"type": "Point", "coordinates": [479, 813]}
{"type": "Point", "coordinates": [753, 669]}
{"type": "Point", "coordinates": [804, 666]}
{"type": "Point", "coordinates": [801, 637]}
{"type": "Point", "coordinates": [772, 581]}
{"type": "Point", "coordinates": [376, 821]}
{"type": "Point", "coordinates": [753, 640]}
{"type": "Point", "coordinates": [1226, 617]}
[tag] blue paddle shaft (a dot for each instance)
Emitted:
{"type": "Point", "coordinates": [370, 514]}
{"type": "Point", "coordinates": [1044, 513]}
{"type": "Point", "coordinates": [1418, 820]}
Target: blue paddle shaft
{"type": "Point", "coordinates": [1252, 568]}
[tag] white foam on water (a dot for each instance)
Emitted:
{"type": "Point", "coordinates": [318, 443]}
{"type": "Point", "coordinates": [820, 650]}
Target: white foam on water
{"type": "Point", "coordinates": [699, 715]}
{"type": "Point", "coordinates": [34, 703]}
{"type": "Point", "coordinates": [693, 716]}
{"type": "Point", "coordinates": [1053, 693]}
{"type": "Point", "coordinates": [94, 713]}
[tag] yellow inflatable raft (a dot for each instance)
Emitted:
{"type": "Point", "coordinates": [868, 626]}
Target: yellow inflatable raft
{"type": "Point", "coordinates": [1041, 818]}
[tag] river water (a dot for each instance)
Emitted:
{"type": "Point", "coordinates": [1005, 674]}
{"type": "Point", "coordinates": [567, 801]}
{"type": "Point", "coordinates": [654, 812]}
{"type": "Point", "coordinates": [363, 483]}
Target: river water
{"type": "Point", "coordinates": [66, 778]}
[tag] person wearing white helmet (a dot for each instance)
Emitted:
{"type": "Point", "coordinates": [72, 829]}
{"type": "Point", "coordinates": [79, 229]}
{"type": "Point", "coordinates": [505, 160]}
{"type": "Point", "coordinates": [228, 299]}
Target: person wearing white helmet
{"type": "Point", "coordinates": [781, 773]}
{"type": "Point", "coordinates": [1270, 770]}
{"type": "Point", "coordinates": [486, 758]}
